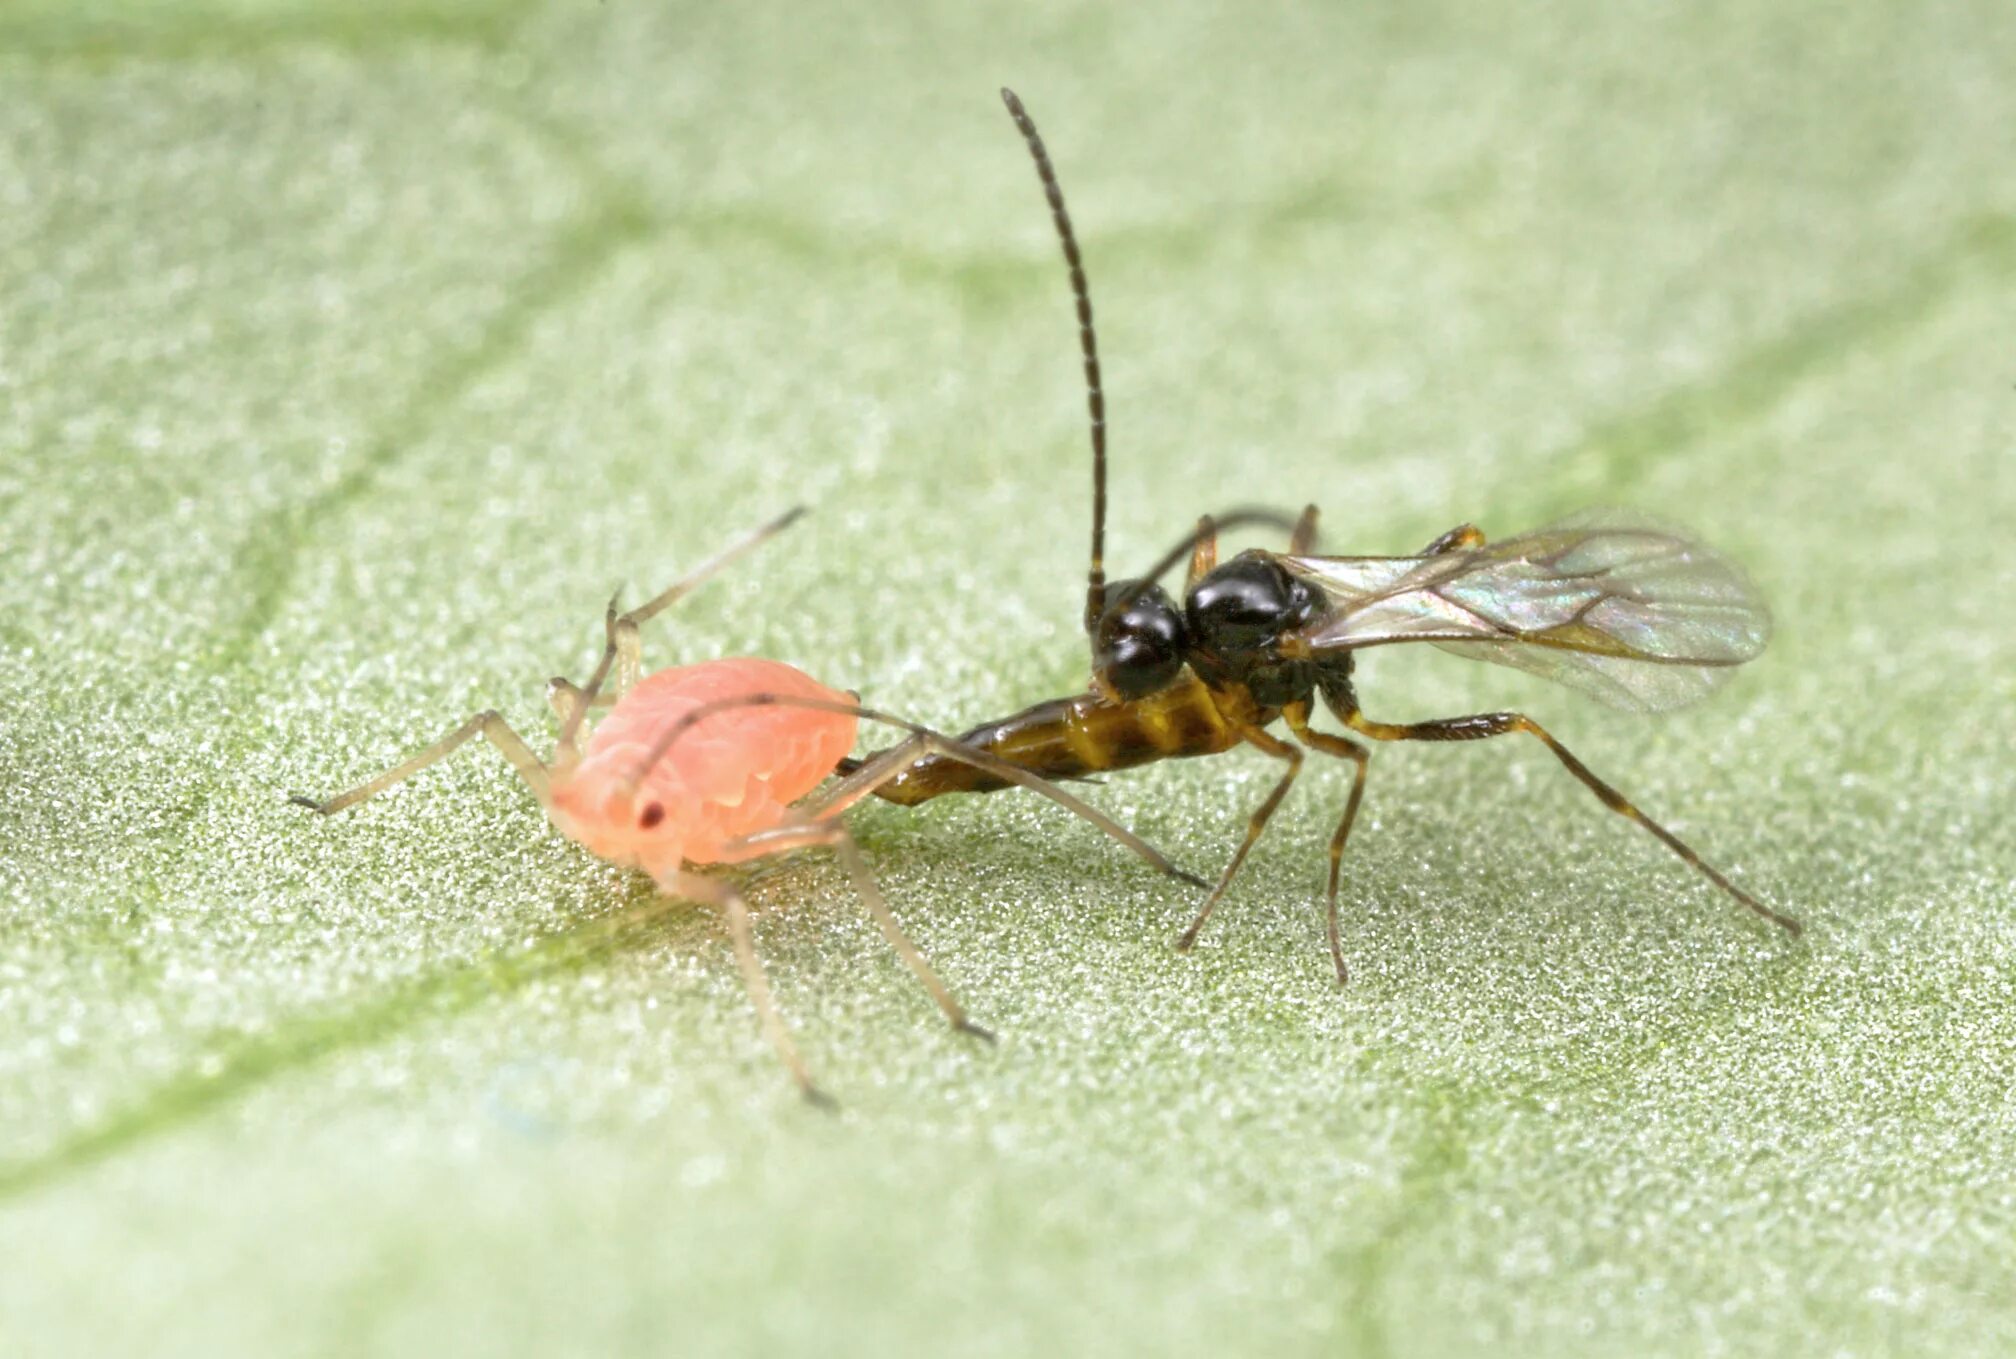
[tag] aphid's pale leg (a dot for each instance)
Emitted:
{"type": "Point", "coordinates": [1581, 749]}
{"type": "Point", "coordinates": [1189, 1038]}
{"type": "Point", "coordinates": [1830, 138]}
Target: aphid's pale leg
{"type": "Point", "coordinates": [489, 725]}
{"type": "Point", "coordinates": [1344, 749]}
{"type": "Point", "coordinates": [1280, 750]}
{"type": "Point", "coordinates": [714, 892]}
{"type": "Point", "coordinates": [628, 644]}
{"type": "Point", "coordinates": [1302, 538]}
{"type": "Point", "coordinates": [621, 648]}
{"type": "Point", "coordinates": [567, 748]}
{"type": "Point", "coordinates": [1455, 540]}
{"type": "Point", "coordinates": [565, 697]}
{"type": "Point", "coordinates": [1482, 725]}
{"type": "Point", "coordinates": [834, 833]}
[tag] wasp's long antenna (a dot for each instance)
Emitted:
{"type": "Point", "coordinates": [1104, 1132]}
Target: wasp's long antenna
{"type": "Point", "coordinates": [1088, 342]}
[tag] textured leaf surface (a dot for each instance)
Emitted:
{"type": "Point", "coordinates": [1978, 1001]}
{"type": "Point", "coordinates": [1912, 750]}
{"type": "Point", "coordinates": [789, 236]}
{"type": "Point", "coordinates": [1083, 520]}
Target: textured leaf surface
{"type": "Point", "coordinates": [351, 354]}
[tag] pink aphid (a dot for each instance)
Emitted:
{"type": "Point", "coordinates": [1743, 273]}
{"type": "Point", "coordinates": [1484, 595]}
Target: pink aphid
{"type": "Point", "coordinates": [717, 763]}
{"type": "Point", "coordinates": [729, 776]}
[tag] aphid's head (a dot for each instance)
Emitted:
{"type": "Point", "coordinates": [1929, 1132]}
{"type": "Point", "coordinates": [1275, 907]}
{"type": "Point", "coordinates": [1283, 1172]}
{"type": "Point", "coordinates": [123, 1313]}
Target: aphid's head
{"type": "Point", "coordinates": [1138, 647]}
{"type": "Point", "coordinates": [596, 805]}
{"type": "Point", "coordinates": [1236, 616]}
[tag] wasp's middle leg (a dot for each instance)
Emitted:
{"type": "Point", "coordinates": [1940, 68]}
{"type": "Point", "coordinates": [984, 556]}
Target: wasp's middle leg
{"type": "Point", "coordinates": [1280, 750]}
{"type": "Point", "coordinates": [1344, 748]}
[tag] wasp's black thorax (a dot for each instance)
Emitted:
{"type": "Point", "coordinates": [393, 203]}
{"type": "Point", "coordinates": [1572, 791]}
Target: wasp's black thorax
{"type": "Point", "coordinates": [1234, 621]}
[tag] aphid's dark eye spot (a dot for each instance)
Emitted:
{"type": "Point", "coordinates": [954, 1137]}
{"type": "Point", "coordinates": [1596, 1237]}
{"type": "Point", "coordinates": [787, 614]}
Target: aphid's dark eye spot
{"type": "Point", "coordinates": [653, 814]}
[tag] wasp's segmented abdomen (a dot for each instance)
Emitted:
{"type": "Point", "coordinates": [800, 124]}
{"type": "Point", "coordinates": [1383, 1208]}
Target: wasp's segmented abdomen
{"type": "Point", "coordinates": [1072, 738]}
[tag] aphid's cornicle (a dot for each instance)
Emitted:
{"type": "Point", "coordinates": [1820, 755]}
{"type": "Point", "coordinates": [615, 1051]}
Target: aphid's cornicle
{"type": "Point", "coordinates": [707, 764]}
{"type": "Point", "coordinates": [1641, 616]}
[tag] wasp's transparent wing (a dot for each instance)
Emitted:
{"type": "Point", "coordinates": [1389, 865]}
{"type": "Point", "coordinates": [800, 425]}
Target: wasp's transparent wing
{"type": "Point", "coordinates": [1638, 615]}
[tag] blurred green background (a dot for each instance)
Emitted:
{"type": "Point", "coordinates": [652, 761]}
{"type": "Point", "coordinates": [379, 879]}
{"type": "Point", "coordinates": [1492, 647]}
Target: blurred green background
{"type": "Point", "coordinates": [348, 358]}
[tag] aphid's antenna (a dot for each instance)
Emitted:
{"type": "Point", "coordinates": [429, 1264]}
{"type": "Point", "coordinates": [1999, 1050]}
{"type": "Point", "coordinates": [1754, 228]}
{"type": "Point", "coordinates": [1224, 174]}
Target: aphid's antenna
{"type": "Point", "coordinates": [1088, 343]}
{"type": "Point", "coordinates": [613, 624]}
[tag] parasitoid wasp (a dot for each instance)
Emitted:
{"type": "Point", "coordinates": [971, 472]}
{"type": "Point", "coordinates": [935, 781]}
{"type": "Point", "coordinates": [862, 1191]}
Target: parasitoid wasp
{"type": "Point", "coordinates": [1638, 615]}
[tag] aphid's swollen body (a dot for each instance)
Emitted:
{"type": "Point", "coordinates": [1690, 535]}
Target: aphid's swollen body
{"type": "Point", "coordinates": [1640, 616]}
{"type": "Point", "coordinates": [730, 778]}
{"type": "Point", "coordinates": [716, 763]}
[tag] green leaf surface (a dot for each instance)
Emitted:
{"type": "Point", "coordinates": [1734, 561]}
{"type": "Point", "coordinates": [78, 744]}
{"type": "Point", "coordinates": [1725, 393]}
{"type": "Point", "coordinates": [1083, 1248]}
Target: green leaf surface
{"type": "Point", "coordinates": [351, 355]}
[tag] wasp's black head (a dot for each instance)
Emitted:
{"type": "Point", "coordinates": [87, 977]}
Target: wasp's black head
{"type": "Point", "coordinates": [1139, 645]}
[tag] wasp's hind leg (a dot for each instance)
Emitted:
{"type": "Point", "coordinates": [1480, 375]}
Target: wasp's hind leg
{"type": "Point", "coordinates": [1481, 726]}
